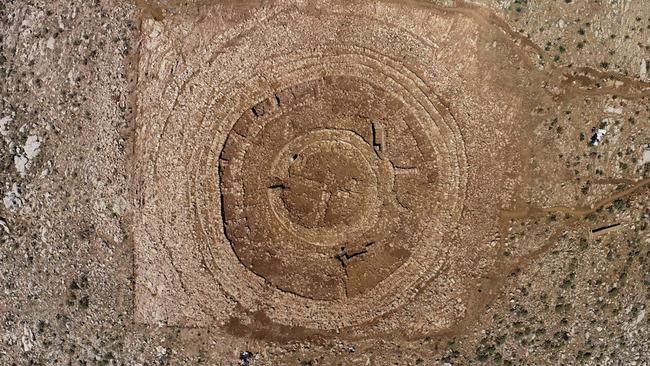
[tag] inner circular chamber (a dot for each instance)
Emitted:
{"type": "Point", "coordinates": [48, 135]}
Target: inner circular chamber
{"type": "Point", "coordinates": [326, 189]}
{"type": "Point", "coordinates": [325, 186]}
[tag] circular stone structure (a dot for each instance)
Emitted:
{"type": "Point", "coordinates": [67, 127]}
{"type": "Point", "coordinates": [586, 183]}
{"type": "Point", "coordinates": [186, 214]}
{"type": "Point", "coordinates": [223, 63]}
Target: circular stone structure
{"type": "Point", "coordinates": [335, 188]}
{"type": "Point", "coordinates": [297, 170]}
{"type": "Point", "coordinates": [334, 184]}
{"type": "Point", "coordinates": [329, 185]}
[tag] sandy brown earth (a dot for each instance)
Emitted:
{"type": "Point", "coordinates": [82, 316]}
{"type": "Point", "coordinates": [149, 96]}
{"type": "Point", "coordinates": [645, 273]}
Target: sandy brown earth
{"type": "Point", "coordinates": [325, 183]}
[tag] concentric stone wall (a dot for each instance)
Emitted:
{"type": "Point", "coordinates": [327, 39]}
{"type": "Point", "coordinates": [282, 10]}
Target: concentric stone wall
{"type": "Point", "coordinates": [324, 166]}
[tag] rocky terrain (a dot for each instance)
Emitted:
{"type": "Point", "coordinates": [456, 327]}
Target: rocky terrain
{"type": "Point", "coordinates": [562, 273]}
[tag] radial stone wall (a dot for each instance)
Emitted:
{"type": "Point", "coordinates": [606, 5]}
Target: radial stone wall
{"type": "Point", "coordinates": [323, 169]}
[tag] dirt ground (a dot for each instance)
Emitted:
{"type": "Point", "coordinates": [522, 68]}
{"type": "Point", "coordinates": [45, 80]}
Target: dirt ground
{"type": "Point", "coordinates": [324, 183]}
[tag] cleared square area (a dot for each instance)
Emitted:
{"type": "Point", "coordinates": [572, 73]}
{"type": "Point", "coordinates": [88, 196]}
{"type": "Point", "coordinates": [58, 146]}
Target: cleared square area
{"type": "Point", "coordinates": [312, 169]}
